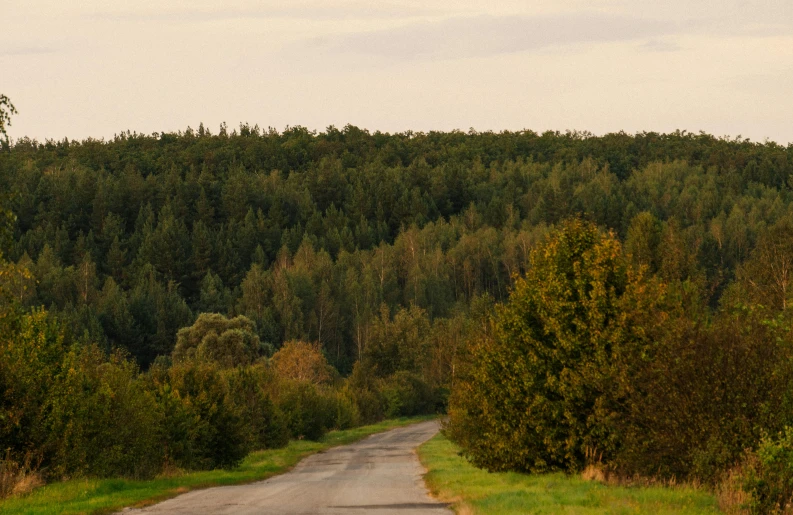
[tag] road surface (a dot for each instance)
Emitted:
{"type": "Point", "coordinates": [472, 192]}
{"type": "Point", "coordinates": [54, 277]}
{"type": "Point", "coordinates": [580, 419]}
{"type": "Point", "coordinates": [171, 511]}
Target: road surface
{"type": "Point", "coordinates": [380, 474]}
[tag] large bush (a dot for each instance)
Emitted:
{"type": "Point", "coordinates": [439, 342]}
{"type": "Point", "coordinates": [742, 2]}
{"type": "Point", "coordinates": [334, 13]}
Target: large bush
{"type": "Point", "coordinates": [708, 393]}
{"type": "Point", "coordinates": [264, 422]}
{"type": "Point", "coordinates": [362, 388]}
{"type": "Point", "coordinates": [31, 353]}
{"type": "Point", "coordinates": [544, 387]}
{"type": "Point", "coordinates": [101, 419]}
{"type": "Point", "coordinates": [406, 394]}
{"type": "Point", "coordinates": [310, 410]}
{"type": "Point", "coordinates": [218, 436]}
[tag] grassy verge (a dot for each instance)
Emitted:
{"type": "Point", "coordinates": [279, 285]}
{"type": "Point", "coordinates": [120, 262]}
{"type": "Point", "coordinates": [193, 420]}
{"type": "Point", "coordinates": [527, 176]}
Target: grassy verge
{"type": "Point", "coordinates": [107, 495]}
{"type": "Point", "coordinates": [472, 490]}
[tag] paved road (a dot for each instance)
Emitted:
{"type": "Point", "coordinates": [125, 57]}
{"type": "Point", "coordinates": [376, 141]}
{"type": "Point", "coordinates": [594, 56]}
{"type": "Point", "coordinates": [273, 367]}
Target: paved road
{"type": "Point", "coordinates": [380, 474]}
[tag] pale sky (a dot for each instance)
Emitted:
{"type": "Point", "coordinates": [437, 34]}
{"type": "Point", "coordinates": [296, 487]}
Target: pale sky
{"type": "Point", "coordinates": [95, 68]}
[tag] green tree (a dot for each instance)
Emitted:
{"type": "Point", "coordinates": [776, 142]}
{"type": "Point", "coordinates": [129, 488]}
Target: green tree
{"type": "Point", "coordinates": [214, 296]}
{"type": "Point", "coordinates": [643, 240]}
{"type": "Point", "coordinates": [116, 317]}
{"type": "Point", "coordinates": [101, 419]}
{"type": "Point", "coordinates": [399, 343]}
{"type": "Point", "coordinates": [767, 276]}
{"type": "Point", "coordinates": [31, 348]}
{"type": "Point", "coordinates": [543, 386]}
{"type": "Point", "coordinates": [6, 110]}
{"type": "Point", "coordinates": [213, 425]}
{"type": "Point", "coordinates": [213, 337]}
{"type": "Point", "coordinates": [265, 422]}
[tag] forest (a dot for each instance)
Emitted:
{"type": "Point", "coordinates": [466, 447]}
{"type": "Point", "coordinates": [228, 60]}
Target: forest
{"type": "Point", "coordinates": [236, 282]}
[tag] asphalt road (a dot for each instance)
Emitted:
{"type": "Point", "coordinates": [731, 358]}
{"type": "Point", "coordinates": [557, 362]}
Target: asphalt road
{"type": "Point", "coordinates": [380, 474]}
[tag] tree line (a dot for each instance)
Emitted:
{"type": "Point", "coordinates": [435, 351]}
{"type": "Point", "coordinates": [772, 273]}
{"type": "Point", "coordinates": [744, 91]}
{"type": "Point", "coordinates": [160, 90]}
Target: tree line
{"type": "Point", "coordinates": [309, 234]}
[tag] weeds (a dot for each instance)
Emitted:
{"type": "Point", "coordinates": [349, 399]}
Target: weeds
{"type": "Point", "coordinates": [18, 478]}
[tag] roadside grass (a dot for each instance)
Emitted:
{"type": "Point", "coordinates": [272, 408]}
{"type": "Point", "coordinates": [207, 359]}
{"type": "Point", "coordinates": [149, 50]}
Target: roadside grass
{"type": "Point", "coordinates": [94, 496]}
{"type": "Point", "coordinates": [471, 490]}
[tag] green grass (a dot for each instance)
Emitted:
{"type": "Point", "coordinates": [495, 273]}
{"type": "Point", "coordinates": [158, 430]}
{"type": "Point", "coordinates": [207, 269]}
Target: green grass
{"type": "Point", "coordinates": [472, 490]}
{"type": "Point", "coordinates": [107, 495]}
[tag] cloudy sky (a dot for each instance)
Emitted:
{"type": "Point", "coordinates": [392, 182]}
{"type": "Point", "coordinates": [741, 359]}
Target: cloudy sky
{"type": "Point", "coordinates": [102, 67]}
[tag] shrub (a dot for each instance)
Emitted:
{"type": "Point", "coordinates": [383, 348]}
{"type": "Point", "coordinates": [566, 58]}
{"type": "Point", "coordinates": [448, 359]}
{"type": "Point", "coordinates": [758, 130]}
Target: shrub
{"type": "Point", "coordinates": [264, 422]}
{"type": "Point", "coordinates": [769, 475]}
{"type": "Point", "coordinates": [368, 404]}
{"type": "Point", "coordinates": [31, 352]}
{"type": "Point", "coordinates": [102, 420]}
{"type": "Point", "coordinates": [362, 388]}
{"type": "Point", "coordinates": [218, 437]}
{"type": "Point", "coordinates": [347, 414]}
{"type": "Point", "coordinates": [180, 431]}
{"type": "Point", "coordinates": [705, 397]}
{"type": "Point", "coordinates": [545, 384]}
{"type": "Point", "coordinates": [406, 394]}
{"type": "Point", "coordinates": [309, 411]}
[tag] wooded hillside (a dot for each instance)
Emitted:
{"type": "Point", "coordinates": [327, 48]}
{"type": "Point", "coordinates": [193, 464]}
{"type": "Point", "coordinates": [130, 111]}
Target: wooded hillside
{"type": "Point", "coordinates": [308, 234]}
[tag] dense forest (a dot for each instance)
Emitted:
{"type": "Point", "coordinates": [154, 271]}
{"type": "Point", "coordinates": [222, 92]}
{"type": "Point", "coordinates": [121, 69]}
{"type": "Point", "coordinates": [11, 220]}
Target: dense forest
{"type": "Point", "coordinates": [309, 234]}
{"type": "Point", "coordinates": [387, 252]}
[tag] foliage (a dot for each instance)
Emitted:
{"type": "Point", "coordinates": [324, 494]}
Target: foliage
{"type": "Point", "coordinates": [264, 422]}
{"type": "Point", "coordinates": [218, 436]}
{"type": "Point", "coordinates": [592, 359]}
{"type": "Point", "coordinates": [6, 110]}
{"type": "Point", "coordinates": [708, 394]}
{"type": "Point", "coordinates": [101, 419]}
{"type": "Point", "coordinates": [213, 337]}
{"type": "Point", "coordinates": [767, 275]}
{"type": "Point", "coordinates": [301, 361]}
{"type": "Point", "coordinates": [362, 388]}
{"type": "Point", "coordinates": [406, 394]}
{"type": "Point", "coordinates": [769, 475]}
{"type": "Point", "coordinates": [307, 234]}
{"type": "Point", "coordinates": [545, 386]}
{"type": "Point", "coordinates": [386, 252]}
{"type": "Point", "coordinates": [400, 343]}
{"type": "Point", "coordinates": [310, 410]}
{"type": "Point", "coordinates": [32, 352]}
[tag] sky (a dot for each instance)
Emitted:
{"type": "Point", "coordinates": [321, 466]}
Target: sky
{"type": "Point", "coordinates": [97, 68]}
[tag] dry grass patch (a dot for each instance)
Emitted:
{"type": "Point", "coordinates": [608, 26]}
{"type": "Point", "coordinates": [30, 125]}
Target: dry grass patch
{"type": "Point", "coordinates": [731, 496]}
{"type": "Point", "coordinates": [594, 473]}
{"type": "Point", "coordinates": [18, 478]}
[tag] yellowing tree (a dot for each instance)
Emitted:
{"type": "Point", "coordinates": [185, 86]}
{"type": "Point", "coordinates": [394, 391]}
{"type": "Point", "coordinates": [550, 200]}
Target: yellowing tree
{"type": "Point", "coordinates": [302, 361]}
